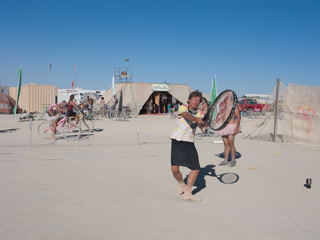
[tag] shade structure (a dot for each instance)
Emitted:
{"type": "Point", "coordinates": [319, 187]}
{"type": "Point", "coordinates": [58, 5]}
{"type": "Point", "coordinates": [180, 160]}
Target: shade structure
{"type": "Point", "coordinates": [93, 96]}
{"type": "Point", "coordinates": [139, 93]}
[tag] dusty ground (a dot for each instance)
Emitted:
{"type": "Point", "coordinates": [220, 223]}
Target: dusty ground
{"type": "Point", "coordinates": [109, 186]}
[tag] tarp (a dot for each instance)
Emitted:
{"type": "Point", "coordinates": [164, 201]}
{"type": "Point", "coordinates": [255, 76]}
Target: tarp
{"type": "Point", "coordinates": [7, 104]}
{"type": "Point", "coordinates": [138, 93]}
{"type": "Point", "coordinates": [180, 92]}
{"type": "Point", "coordinates": [302, 115]}
{"type": "Point", "coordinates": [93, 96]}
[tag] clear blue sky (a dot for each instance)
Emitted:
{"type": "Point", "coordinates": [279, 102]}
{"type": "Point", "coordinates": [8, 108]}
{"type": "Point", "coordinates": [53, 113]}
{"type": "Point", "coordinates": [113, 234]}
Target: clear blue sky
{"type": "Point", "coordinates": [246, 44]}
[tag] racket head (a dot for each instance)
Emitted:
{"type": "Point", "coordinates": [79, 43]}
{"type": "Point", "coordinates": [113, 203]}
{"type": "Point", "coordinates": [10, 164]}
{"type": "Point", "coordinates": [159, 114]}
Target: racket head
{"type": "Point", "coordinates": [228, 178]}
{"type": "Point", "coordinates": [222, 109]}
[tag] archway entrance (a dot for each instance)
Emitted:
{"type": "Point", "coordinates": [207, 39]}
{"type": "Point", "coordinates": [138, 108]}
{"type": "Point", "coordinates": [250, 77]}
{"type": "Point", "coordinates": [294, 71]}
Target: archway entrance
{"type": "Point", "coordinates": [159, 102]}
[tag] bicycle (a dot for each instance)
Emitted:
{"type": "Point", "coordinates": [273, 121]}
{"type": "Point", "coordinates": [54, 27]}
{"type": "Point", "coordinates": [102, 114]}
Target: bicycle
{"type": "Point", "coordinates": [69, 129]}
{"type": "Point", "coordinates": [85, 123]}
{"type": "Point", "coordinates": [107, 112]}
{"type": "Point", "coordinates": [119, 115]}
{"type": "Point", "coordinates": [127, 111]}
{"type": "Point", "coordinates": [133, 110]}
{"type": "Point", "coordinates": [95, 114]}
{"type": "Point", "coordinates": [112, 113]}
{"type": "Point", "coordinates": [44, 111]}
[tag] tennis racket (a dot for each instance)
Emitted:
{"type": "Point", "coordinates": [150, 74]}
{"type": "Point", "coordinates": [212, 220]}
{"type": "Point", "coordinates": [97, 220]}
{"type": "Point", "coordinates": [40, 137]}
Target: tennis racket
{"type": "Point", "coordinates": [221, 111]}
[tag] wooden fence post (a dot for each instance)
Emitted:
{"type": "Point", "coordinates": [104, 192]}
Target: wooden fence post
{"type": "Point", "coordinates": [276, 112]}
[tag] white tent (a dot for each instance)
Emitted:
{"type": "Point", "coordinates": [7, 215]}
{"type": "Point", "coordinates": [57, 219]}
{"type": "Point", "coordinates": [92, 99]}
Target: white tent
{"type": "Point", "coordinates": [138, 93]}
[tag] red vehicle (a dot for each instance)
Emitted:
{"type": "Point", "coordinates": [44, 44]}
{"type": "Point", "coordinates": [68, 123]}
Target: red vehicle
{"type": "Point", "coordinates": [249, 104]}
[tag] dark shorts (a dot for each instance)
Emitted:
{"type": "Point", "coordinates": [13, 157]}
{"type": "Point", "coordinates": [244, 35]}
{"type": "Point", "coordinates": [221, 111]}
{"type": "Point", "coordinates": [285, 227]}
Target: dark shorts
{"type": "Point", "coordinates": [71, 114]}
{"type": "Point", "coordinates": [184, 154]}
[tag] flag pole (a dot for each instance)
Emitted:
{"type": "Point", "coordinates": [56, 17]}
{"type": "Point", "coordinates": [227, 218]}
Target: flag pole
{"type": "Point", "coordinates": [214, 91]}
{"type": "Point", "coordinates": [18, 93]}
{"type": "Point", "coordinates": [76, 80]}
{"type": "Point", "coordinates": [113, 89]}
{"type": "Point", "coordinates": [75, 71]}
{"type": "Point", "coordinates": [50, 72]}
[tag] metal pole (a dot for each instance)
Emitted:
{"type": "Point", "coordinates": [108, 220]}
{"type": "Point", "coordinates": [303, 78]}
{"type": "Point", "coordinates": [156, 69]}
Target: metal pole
{"type": "Point", "coordinates": [276, 112]}
{"type": "Point", "coordinates": [76, 79]}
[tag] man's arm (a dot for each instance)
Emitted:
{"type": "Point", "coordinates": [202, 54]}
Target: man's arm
{"type": "Point", "coordinates": [189, 117]}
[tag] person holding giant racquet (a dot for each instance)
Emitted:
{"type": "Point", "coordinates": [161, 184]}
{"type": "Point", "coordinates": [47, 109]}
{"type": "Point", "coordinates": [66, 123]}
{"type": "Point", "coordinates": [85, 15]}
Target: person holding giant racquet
{"type": "Point", "coordinates": [183, 150]}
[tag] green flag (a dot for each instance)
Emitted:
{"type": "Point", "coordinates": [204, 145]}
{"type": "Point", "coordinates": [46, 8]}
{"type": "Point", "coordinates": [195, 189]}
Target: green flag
{"type": "Point", "coordinates": [213, 90]}
{"type": "Point", "coordinates": [18, 94]}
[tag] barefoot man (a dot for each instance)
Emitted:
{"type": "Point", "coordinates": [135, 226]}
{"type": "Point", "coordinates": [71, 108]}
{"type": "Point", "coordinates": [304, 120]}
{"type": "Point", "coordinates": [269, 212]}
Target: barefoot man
{"type": "Point", "coordinates": [183, 150]}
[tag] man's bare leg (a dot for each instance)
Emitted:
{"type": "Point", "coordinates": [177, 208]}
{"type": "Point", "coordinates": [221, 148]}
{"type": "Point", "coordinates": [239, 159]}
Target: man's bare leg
{"type": "Point", "coordinates": [187, 192]}
{"type": "Point", "coordinates": [178, 176]}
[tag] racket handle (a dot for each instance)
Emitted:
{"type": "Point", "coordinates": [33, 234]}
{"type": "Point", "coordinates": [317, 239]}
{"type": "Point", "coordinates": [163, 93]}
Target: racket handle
{"type": "Point", "coordinates": [194, 125]}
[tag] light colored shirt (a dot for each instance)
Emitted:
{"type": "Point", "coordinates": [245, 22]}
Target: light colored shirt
{"type": "Point", "coordinates": [102, 103]}
{"type": "Point", "coordinates": [182, 130]}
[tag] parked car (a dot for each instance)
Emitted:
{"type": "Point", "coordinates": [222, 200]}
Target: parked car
{"type": "Point", "coordinates": [249, 104]}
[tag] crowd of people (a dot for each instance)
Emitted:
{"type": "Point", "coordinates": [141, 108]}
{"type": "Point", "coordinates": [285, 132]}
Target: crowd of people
{"type": "Point", "coordinates": [159, 104]}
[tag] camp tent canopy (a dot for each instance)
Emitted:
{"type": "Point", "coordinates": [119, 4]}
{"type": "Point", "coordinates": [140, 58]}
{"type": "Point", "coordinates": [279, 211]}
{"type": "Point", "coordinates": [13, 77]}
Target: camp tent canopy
{"type": "Point", "coordinates": [139, 93]}
{"type": "Point", "coordinates": [7, 104]}
{"type": "Point", "coordinates": [91, 95]}
{"type": "Point", "coordinates": [180, 92]}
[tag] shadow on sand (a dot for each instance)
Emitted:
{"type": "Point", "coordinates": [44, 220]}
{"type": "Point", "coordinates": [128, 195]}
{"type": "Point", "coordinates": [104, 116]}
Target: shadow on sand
{"type": "Point", "coordinates": [209, 170]}
{"type": "Point", "coordinates": [9, 130]}
{"type": "Point", "coordinates": [221, 155]}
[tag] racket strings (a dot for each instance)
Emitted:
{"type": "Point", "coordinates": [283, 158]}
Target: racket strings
{"type": "Point", "coordinates": [222, 110]}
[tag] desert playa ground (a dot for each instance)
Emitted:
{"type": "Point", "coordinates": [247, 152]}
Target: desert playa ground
{"type": "Point", "coordinates": [109, 185]}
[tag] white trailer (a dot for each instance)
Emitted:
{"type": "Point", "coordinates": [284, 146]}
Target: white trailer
{"type": "Point", "coordinates": [64, 94]}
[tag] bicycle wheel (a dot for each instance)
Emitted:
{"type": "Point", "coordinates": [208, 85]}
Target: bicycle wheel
{"type": "Point", "coordinates": [45, 130]}
{"type": "Point", "coordinates": [86, 125]}
{"type": "Point", "coordinates": [115, 115]}
{"type": "Point", "coordinates": [134, 113]}
{"type": "Point", "coordinates": [123, 116]}
{"type": "Point", "coordinates": [120, 116]}
{"type": "Point", "coordinates": [96, 115]}
{"type": "Point", "coordinates": [71, 131]}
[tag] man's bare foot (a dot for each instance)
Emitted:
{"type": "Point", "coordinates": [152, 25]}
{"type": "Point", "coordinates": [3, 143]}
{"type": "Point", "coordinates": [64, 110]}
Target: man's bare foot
{"type": "Point", "coordinates": [189, 196]}
{"type": "Point", "coordinates": [181, 189]}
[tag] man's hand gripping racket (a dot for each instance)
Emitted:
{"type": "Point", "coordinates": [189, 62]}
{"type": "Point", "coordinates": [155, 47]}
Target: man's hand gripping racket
{"type": "Point", "coordinates": [221, 111]}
